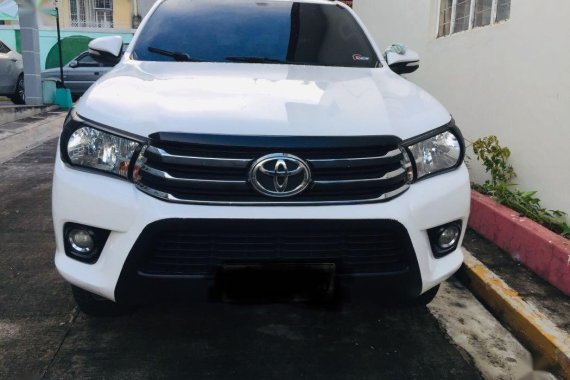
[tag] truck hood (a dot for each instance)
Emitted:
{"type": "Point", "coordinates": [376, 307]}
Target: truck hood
{"type": "Point", "coordinates": [260, 99]}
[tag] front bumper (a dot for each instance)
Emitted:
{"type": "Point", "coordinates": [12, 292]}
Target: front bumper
{"type": "Point", "coordinates": [116, 205]}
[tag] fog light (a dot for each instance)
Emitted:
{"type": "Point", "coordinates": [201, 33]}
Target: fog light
{"type": "Point", "coordinates": [445, 239]}
{"type": "Point", "coordinates": [81, 241]}
{"type": "Point", "coordinates": [448, 236]}
{"type": "Point", "coordinates": [84, 243]}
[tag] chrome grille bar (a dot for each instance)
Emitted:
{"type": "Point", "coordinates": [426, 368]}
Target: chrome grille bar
{"type": "Point", "coordinates": [171, 198]}
{"type": "Point", "coordinates": [193, 181]}
{"type": "Point", "coordinates": [387, 176]}
{"type": "Point", "coordinates": [168, 158]}
{"type": "Point", "coordinates": [390, 157]}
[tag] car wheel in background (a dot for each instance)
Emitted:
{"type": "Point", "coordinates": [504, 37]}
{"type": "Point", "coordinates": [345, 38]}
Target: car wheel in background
{"type": "Point", "coordinates": [19, 96]}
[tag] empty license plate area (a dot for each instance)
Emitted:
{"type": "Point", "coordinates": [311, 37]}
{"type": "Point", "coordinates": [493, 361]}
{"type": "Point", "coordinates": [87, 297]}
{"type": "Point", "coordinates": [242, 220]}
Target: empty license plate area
{"type": "Point", "coordinates": [276, 282]}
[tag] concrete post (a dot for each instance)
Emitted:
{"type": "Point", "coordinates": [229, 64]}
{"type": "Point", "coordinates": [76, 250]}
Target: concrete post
{"type": "Point", "coordinates": [30, 52]}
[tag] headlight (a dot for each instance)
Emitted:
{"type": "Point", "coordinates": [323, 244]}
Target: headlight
{"type": "Point", "coordinates": [441, 151]}
{"type": "Point", "coordinates": [92, 148]}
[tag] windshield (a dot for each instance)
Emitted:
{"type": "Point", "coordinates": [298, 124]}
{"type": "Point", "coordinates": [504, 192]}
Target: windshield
{"type": "Point", "coordinates": [254, 31]}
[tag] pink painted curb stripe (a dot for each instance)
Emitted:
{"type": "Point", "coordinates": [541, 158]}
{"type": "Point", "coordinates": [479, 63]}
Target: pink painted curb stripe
{"type": "Point", "coordinates": [539, 249]}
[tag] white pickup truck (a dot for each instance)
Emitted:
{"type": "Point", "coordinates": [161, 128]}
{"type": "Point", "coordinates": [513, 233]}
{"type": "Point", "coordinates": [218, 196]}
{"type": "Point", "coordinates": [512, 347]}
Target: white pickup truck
{"type": "Point", "coordinates": [256, 134]}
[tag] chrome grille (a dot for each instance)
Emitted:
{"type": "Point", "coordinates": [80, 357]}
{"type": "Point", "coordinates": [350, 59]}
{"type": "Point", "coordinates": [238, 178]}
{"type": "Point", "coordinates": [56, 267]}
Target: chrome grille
{"type": "Point", "coordinates": [215, 168]}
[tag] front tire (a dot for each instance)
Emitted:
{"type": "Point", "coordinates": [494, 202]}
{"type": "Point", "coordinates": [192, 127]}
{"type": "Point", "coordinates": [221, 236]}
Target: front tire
{"type": "Point", "coordinates": [19, 96]}
{"type": "Point", "coordinates": [96, 306]}
{"type": "Point", "coordinates": [426, 298]}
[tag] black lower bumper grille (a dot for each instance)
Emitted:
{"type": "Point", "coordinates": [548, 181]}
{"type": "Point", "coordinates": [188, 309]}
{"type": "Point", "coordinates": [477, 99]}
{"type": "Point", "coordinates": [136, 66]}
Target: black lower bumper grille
{"type": "Point", "coordinates": [201, 247]}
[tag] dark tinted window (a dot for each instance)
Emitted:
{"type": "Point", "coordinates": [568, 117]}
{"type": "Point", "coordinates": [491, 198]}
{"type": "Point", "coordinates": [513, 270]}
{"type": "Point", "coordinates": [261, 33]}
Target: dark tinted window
{"type": "Point", "coordinates": [85, 60]}
{"type": "Point", "coordinates": [295, 33]}
{"type": "Point", "coordinates": [4, 48]}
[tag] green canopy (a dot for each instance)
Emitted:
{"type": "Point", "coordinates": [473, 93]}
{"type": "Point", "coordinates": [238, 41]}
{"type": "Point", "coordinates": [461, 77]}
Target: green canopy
{"type": "Point", "coordinates": [71, 47]}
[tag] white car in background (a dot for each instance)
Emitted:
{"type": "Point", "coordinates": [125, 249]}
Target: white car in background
{"type": "Point", "coordinates": [11, 75]}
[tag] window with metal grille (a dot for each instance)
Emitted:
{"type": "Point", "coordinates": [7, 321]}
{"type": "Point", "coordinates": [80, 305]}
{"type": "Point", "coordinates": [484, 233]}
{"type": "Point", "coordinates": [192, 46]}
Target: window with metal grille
{"type": "Point", "coordinates": [103, 4]}
{"type": "Point", "coordinates": [461, 15]}
{"type": "Point", "coordinates": [91, 13]}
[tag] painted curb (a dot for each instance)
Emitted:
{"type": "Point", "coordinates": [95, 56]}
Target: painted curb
{"type": "Point", "coordinates": [539, 249]}
{"type": "Point", "coordinates": [546, 341]}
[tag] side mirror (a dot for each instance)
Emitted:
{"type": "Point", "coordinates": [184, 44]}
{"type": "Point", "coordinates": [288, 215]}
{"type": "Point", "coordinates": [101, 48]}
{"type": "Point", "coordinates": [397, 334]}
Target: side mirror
{"type": "Point", "coordinates": [402, 60]}
{"type": "Point", "coordinates": [106, 50]}
{"type": "Point", "coordinates": [73, 64]}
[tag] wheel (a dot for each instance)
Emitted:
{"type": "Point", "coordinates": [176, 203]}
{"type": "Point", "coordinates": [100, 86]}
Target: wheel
{"type": "Point", "coordinates": [19, 96]}
{"type": "Point", "coordinates": [96, 306]}
{"type": "Point", "coordinates": [425, 298]}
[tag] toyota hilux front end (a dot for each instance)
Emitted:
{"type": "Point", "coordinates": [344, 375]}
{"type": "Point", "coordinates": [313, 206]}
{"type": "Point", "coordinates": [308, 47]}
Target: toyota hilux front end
{"type": "Point", "coordinates": [279, 137]}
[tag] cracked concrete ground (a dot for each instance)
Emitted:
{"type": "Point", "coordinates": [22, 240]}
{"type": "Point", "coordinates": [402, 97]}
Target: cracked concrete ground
{"type": "Point", "coordinates": [42, 335]}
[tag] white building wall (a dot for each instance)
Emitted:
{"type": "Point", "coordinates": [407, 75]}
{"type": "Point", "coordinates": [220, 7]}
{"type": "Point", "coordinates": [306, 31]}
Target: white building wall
{"type": "Point", "coordinates": [511, 80]}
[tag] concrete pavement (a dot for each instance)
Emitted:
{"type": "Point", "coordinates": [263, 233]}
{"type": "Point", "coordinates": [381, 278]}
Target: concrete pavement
{"type": "Point", "coordinates": [17, 137]}
{"type": "Point", "coordinates": [42, 335]}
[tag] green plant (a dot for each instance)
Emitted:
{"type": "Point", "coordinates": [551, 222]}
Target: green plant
{"type": "Point", "coordinates": [495, 159]}
{"type": "Point", "coordinates": [500, 187]}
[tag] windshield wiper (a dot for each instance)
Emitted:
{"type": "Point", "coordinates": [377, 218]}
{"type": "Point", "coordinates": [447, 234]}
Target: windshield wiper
{"type": "Point", "coordinates": [178, 56]}
{"type": "Point", "coordinates": [254, 60]}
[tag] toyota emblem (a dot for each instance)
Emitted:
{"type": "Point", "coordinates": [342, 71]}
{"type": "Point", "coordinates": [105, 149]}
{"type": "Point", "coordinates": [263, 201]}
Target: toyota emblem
{"type": "Point", "coordinates": [280, 175]}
